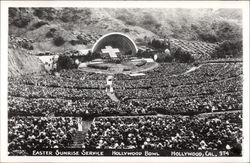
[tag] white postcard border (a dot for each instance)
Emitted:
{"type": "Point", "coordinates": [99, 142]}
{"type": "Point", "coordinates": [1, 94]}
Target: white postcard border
{"type": "Point", "coordinates": [121, 4]}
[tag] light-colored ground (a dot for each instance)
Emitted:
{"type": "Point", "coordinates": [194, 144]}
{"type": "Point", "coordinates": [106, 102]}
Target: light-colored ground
{"type": "Point", "coordinates": [119, 68]}
{"type": "Point", "coordinates": [113, 97]}
{"type": "Point", "coordinates": [192, 69]}
{"type": "Point", "coordinates": [137, 74]}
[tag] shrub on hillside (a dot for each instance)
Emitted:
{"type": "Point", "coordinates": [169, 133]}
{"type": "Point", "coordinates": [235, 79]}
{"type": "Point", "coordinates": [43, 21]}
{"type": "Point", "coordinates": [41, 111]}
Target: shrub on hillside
{"type": "Point", "coordinates": [196, 64]}
{"type": "Point", "coordinates": [19, 17]}
{"type": "Point", "coordinates": [22, 22]}
{"type": "Point", "coordinates": [52, 30]}
{"type": "Point", "coordinates": [158, 44]}
{"type": "Point", "coordinates": [216, 31]}
{"type": "Point", "coordinates": [45, 13]}
{"type": "Point", "coordinates": [51, 33]}
{"type": "Point", "coordinates": [229, 49]}
{"type": "Point", "coordinates": [127, 20]}
{"type": "Point", "coordinates": [73, 42]}
{"type": "Point", "coordinates": [38, 25]}
{"type": "Point", "coordinates": [74, 14]}
{"type": "Point", "coordinates": [204, 33]}
{"type": "Point", "coordinates": [27, 46]}
{"type": "Point", "coordinates": [65, 18]}
{"type": "Point", "coordinates": [182, 56]}
{"type": "Point", "coordinates": [79, 37]}
{"type": "Point", "coordinates": [59, 41]}
{"type": "Point", "coordinates": [208, 37]}
{"type": "Point", "coordinates": [81, 40]}
{"type": "Point", "coordinates": [12, 12]}
{"type": "Point", "coordinates": [126, 30]}
{"type": "Point", "coordinates": [227, 30]}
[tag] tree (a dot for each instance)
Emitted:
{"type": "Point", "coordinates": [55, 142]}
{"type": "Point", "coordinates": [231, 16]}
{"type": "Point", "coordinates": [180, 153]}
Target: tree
{"type": "Point", "coordinates": [163, 57]}
{"type": "Point", "coordinates": [58, 41]}
{"type": "Point", "coordinates": [183, 56]}
{"type": "Point", "coordinates": [65, 62]}
{"type": "Point", "coordinates": [229, 49]}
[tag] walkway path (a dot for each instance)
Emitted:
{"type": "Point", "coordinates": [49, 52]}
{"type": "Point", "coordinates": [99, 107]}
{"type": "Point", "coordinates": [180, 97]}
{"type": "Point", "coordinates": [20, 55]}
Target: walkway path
{"type": "Point", "coordinates": [192, 69]}
{"type": "Point", "coordinates": [219, 112]}
{"type": "Point", "coordinates": [113, 96]}
{"type": "Point", "coordinates": [80, 135]}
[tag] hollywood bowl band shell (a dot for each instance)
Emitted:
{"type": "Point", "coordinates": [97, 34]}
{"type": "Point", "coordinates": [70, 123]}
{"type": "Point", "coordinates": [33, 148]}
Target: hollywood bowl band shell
{"type": "Point", "coordinates": [116, 40]}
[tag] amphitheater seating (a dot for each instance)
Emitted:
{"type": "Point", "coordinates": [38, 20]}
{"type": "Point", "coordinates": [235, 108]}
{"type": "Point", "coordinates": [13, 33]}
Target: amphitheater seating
{"type": "Point", "coordinates": [170, 89]}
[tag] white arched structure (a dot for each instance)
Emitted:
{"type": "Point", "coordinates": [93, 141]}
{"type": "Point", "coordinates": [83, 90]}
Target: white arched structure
{"type": "Point", "coordinates": [116, 40]}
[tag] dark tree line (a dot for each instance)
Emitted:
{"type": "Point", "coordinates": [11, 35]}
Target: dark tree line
{"type": "Point", "coordinates": [229, 49]}
{"type": "Point", "coordinates": [159, 44]}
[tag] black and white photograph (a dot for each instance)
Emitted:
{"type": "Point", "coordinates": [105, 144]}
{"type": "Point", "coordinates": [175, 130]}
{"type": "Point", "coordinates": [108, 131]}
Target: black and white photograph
{"type": "Point", "coordinates": [124, 82]}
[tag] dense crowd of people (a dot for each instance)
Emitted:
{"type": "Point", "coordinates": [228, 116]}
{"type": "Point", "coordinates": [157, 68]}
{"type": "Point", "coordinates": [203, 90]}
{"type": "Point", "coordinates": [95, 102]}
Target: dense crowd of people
{"type": "Point", "coordinates": [80, 80]}
{"type": "Point", "coordinates": [192, 105]}
{"type": "Point", "coordinates": [39, 132]}
{"type": "Point", "coordinates": [214, 132]}
{"type": "Point", "coordinates": [206, 88]}
{"type": "Point", "coordinates": [167, 74]}
{"type": "Point", "coordinates": [98, 107]}
{"type": "Point", "coordinates": [40, 103]}
{"type": "Point", "coordinates": [31, 91]}
{"type": "Point", "coordinates": [86, 108]}
{"type": "Point", "coordinates": [175, 76]}
{"type": "Point", "coordinates": [210, 87]}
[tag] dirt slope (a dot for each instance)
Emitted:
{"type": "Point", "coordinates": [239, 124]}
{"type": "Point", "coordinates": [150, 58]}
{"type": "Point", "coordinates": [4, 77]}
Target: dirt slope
{"type": "Point", "coordinates": [20, 62]}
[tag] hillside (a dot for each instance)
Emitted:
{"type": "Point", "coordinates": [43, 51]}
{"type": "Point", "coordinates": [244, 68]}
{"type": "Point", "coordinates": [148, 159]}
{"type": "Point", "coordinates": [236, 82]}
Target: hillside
{"type": "Point", "coordinates": [197, 49]}
{"type": "Point", "coordinates": [45, 24]}
{"type": "Point", "coordinates": [20, 61]}
{"type": "Point", "coordinates": [61, 29]}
